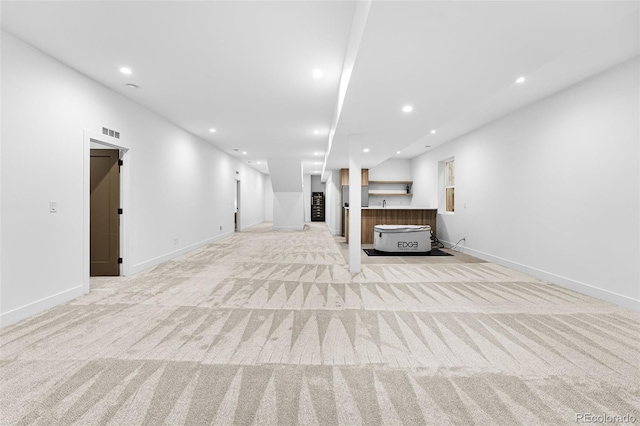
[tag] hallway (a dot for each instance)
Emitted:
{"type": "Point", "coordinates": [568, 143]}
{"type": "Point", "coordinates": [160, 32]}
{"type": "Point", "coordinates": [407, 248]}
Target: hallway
{"type": "Point", "coordinates": [270, 327]}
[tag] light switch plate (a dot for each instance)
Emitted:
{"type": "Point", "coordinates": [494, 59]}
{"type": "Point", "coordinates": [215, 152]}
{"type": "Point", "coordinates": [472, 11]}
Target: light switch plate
{"type": "Point", "coordinates": [53, 207]}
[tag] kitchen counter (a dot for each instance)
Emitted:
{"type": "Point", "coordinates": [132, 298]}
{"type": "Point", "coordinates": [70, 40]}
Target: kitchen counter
{"type": "Point", "coordinates": [392, 208]}
{"type": "Point", "coordinates": [391, 215]}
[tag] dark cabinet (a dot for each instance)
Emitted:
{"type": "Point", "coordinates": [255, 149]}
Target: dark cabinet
{"type": "Point", "coordinates": [317, 207]}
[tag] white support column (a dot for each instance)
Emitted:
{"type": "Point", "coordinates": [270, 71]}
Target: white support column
{"type": "Point", "coordinates": [355, 218]}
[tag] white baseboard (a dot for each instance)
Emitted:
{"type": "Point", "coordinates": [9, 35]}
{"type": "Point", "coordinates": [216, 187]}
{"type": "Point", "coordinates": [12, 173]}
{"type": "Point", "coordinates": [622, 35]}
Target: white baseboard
{"type": "Point", "coordinates": [39, 306]}
{"type": "Point", "coordinates": [253, 224]}
{"type": "Point", "coordinates": [157, 260]}
{"type": "Point", "coordinates": [580, 287]}
{"type": "Point", "coordinates": [288, 228]}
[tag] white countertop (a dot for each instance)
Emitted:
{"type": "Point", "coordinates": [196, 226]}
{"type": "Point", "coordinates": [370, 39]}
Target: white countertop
{"type": "Point", "coordinates": [394, 208]}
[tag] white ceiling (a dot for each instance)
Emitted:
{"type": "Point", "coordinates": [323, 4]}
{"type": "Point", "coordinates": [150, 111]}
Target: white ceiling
{"type": "Point", "coordinates": [244, 68]}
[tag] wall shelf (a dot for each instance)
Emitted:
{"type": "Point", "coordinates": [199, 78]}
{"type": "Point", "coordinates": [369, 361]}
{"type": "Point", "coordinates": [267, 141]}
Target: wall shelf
{"type": "Point", "coordinates": [390, 188]}
{"type": "Point", "coordinates": [390, 182]}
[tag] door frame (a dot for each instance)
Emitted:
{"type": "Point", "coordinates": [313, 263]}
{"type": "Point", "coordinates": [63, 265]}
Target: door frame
{"type": "Point", "coordinates": [238, 191]}
{"type": "Point", "coordinates": [125, 201]}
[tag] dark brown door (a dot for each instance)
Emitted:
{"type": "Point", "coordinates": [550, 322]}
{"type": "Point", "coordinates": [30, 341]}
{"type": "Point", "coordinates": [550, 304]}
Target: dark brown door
{"type": "Point", "coordinates": [104, 217]}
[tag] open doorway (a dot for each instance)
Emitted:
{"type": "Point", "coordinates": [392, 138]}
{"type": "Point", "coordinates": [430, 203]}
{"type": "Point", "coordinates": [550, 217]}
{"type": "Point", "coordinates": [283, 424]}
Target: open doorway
{"type": "Point", "coordinates": [104, 212]}
{"type": "Point", "coordinates": [92, 140]}
{"type": "Point", "coordinates": [237, 207]}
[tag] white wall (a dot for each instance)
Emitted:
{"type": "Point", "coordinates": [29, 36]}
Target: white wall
{"type": "Point", "coordinates": [552, 189]}
{"type": "Point", "coordinates": [268, 200]}
{"type": "Point", "coordinates": [287, 181]}
{"type": "Point", "coordinates": [286, 174]}
{"type": "Point", "coordinates": [390, 170]}
{"type": "Point", "coordinates": [424, 171]}
{"type": "Point", "coordinates": [333, 210]}
{"type": "Point", "coordinates": [316, 184]}
{"type": "Point", "coordinates": [181, 186]}
{"type": "Point", "coordinates": [307, 197]}
{"type": "Point", "coordinates": [288, 211]}
{"type": "Point", "coordinates": [252, 195]}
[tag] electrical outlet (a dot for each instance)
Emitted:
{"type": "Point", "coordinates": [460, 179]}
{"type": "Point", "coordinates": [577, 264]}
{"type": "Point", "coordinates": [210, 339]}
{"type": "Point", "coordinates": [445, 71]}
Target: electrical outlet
{"type": "Point", "coordinates": [176, 241]}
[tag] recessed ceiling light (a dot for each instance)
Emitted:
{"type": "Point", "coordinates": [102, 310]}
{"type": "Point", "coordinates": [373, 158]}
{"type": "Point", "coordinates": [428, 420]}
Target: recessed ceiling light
{"type": "Point", "coordinates": [317, 153]}
{"type": "Point", "coordinates": [259, 162]}
{"type": "Point", "coordinates": [125, 70]}
{"type": "Point", "coordinates": [212, 130]}
{"type": "Point", "coordinates": [433, 132]}
{"type": "Point", "coordinates": [407, 108]}
{"type": "Point", "coordinates": [131, 86]}
{"type": "Point", "coordinates": [520, 80]}
{"type": "Point", "coordinates": [316, 132]}
{"type": "Point", "coordinates": [316, 163]}
{"type": "Point", "coordinates": [317, 73]}
{"type": "Point", "coordinates": [365, 150]}
{"type": "Point", "coordinates": [397, 152]}
{"type": "Point", "coordinates": [244, 152]}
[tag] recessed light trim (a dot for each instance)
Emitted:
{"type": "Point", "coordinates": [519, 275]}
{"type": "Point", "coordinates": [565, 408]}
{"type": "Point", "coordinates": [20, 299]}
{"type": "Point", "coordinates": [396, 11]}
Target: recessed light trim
{"type": "Point", "coordinates": [212, 130]}
{"type": "Point", "coordinates": [365, 150]}
{"type": "Point", "coordinates": [316, 132]}
{"type": "Point", "coordinates": [126, 71]}
{"type": "Point", "coordinates": [433, 132]}
{"type": "Point", "coordinates": [244, 152]}
{"type": "Point", "coordinates": [521, 80]}
{"type": "Point", "coordinates": [397, 152]}
{"type": "Point", "coordinates": [317, 73]}
{"type": "Point", "coordinates": [407, 108]}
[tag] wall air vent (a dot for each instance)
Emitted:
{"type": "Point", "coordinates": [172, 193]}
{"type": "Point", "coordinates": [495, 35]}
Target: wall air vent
{"type": "Point", "coordinates": [110, 132]}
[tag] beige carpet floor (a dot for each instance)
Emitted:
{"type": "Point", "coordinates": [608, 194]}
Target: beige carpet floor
{"type": "Point", "coordinates": [270, 328]}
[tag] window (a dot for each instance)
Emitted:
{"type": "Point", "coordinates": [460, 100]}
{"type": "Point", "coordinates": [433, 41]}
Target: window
{"type": "Point", "coordinates": [449, 185]}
